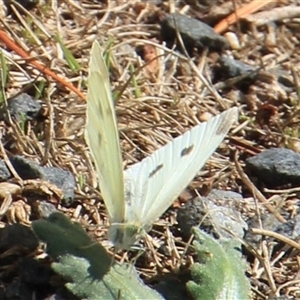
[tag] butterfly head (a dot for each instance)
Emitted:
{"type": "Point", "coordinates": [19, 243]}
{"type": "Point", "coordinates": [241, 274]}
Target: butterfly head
{"type": "Point", "coordinates": [124, 236]}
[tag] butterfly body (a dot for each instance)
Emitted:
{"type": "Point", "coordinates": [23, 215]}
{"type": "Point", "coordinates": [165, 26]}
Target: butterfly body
{"type": "Point", "coordinates": [136, 197]}
{"type": "Point", "coordinates": [125, 235]}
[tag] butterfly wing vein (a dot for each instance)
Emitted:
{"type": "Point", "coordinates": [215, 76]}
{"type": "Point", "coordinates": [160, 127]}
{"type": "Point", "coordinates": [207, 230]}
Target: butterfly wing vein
{"type": "Point", "coordinates": [160, 178]}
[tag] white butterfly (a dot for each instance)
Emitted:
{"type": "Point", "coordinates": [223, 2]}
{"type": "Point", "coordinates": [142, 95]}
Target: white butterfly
{"type": "Point", "coordinates": [138, 196]}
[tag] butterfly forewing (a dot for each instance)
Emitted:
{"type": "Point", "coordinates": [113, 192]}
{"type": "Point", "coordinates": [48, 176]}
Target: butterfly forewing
{"type": "Point", "coordinates": [160, 178]}
{"type": "Point", "coordinates": [102, 136]}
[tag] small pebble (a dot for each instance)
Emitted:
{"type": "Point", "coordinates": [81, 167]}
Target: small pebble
{"type": "Point", "coordinates": [232, 40]}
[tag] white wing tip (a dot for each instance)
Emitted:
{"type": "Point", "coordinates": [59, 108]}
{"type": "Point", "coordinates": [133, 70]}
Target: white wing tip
{"type": "Point", "coordinates": [233, 112]}
{"type": "Point", "coordinates": [227, 118]}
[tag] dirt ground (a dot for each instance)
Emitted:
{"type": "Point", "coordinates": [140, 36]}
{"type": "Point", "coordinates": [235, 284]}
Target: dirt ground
{"type": "Point", "coordinates": [160, 93]}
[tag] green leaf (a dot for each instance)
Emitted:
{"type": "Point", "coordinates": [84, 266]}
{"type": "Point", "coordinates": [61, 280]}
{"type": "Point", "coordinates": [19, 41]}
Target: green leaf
{"type": "Point", "coordinates": [137, 90]}
{"type": "Point", "coordinates": [40, 89]}
{"type": "Point", "coordinates": [4, 76]}
{"type": "Point", "coordinates": [71, 60]}
{"type": "Point", "coordinates": [221, 275]}
{"type": "Point", "coordinates": [91, 273]}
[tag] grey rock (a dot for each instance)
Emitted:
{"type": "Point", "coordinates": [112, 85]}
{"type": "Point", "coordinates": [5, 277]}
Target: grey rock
{"type": "Point", "coordinates": [275, 167]}
{"type": "Point", "coordinates": [4, 172]}
{"type": "Point", "coordinates": [194, 33]}
{"type": "Point", "coordinates": [63, 179]}
{"type": "Point", "coordinates": [290, 229]}
{"type": "Point", "coordinates": [26, 168]}
{"type": "Point", "coordinates": [172, 288]}
{"type": "Point", "coordinates": [230, 68]}
{"type": "Point", "coordinates": [212, 218]}
{"type": "Point", "coordinates": [192, 214]}
{"type": "Point", "coordinates": [224, 195]}
{"type": "Point", "coordinates": [235, 67]}
{"type": "Point", "coordinates": [225, 218]}
{"type": "Point", "coordinates": [18, 289]}
{"type": "Point", "coordinates": [44, 209]}
{"type": "Point", "coordinates": [33, 272]}
{"type": "Point", "coordinates": [24, 106]}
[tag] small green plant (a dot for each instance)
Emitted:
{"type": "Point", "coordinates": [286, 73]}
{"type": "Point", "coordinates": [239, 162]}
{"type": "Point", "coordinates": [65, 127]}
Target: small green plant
{"type": "Point", "coordinates": [71, 60]}
{"type": "Point", "coordinates": [4, 76]}
{"type": "Point", "coordinates": [134, 82]}
{"type": "Point", "coordinates": [81, 180]}
{"type": "Point", "coordinates": [40, 88]}
{"type": "Point", "coordinates": [107, 53]}
{"type": "Point", "coordinates": [91, 273]}
{"type": "Point", "coordinates": [23, 121]}
{"type": "Point", "coordinates": [31, 32]}
{"type": "Point", "coordinates": [221, 273]}
{"type": "Point", "coordinates": [116, 94]}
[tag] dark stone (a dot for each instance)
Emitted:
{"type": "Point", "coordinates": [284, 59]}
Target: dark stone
{"type": "Point", "coordinates": [290, 229]}
{"type": "Point", "coordinates": [235, 67]}
{"type": "Point", "coordinates": [43, 209]}
{"type": "Point", "coordinates": [19, 290]}
{"type": "Point", "coordinates": [194, 33]}
{"type": "Point", "coordinates": [26, 168]}
{"type": "Point", "coordinates": [28, 4]}
{"type": "Point", "coordinates": [231, 68]}
{"type": "Point", "coordinates": [172, 288]}
{"type": "Point", "coordinates": [212, 217]}
{"type": "Point", "coordinates": [16, 241]}
{"type": "Point", "coordinates": [63, 179]}
{"type": "Point", "coordinates": [23, 106]}
{"type": "Point", "coordinates": [275, 167]}
{"type": "Point", "coordinates": [4, 172]}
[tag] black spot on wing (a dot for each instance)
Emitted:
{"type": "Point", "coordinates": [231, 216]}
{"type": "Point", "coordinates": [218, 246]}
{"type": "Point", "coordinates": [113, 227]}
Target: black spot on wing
{"type": "Point", "coordinates": [100, 109]}
{"type": "Point", "coordinates": [187, 151]}
{"type": "Point", "coordinates": [128, 196]}
{"type": "Point", "coordinates": [152, 173]}
{"type": "Point", "coordinates": [99, 137]}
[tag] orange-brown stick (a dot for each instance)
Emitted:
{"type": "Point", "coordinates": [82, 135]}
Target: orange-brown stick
{"type": "Point", "coordinates": [12, 46]}
{"type": "Point", "coordinates": [245, 10]}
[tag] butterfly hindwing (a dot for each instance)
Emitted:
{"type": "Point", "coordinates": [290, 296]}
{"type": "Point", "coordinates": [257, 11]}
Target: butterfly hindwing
{"type": "Point", "coordinates": [160, 178]}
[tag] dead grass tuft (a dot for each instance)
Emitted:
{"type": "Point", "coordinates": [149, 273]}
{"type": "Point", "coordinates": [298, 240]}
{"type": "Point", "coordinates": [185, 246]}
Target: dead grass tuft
{"type": "Point", "coordinates": [159, 95]}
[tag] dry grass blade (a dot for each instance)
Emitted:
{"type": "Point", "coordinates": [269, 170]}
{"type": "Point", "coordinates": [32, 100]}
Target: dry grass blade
{"type": "Point", "coordinates": [155, 105]}
{"type": "Point", "coordinates": [277, 236]}
{"type": "Point", "coordinates": [273, 15]}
